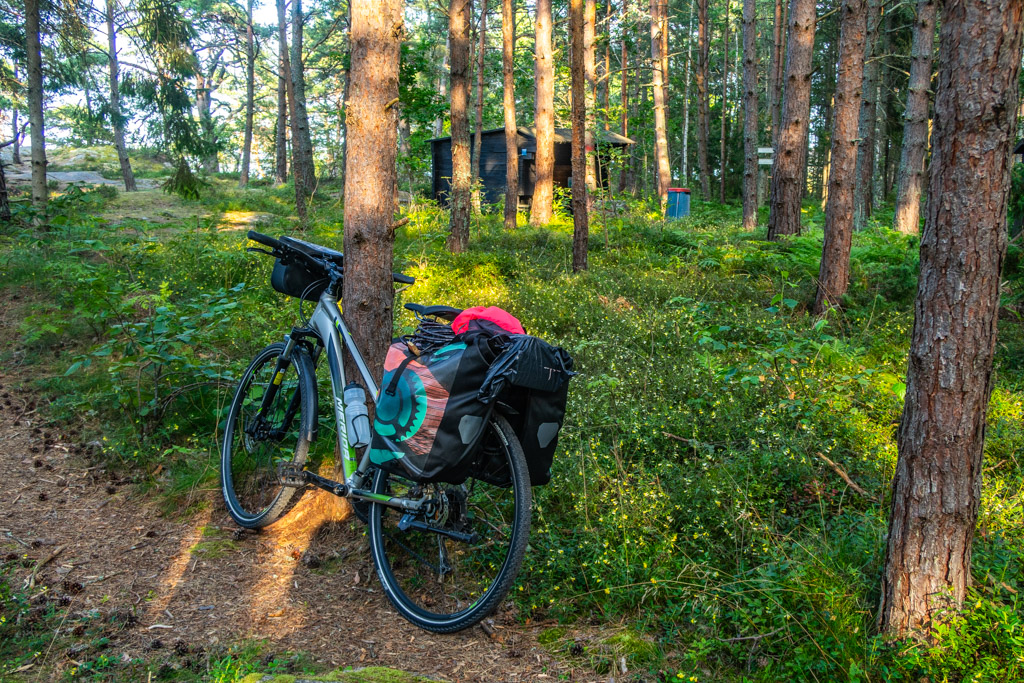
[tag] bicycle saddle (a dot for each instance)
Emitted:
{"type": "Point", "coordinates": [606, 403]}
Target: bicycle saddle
{"type": "Point", "coordinates": [445, 312]}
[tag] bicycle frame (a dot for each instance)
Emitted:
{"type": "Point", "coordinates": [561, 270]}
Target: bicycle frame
{"type": "Point", "coordinates": [330, 329]}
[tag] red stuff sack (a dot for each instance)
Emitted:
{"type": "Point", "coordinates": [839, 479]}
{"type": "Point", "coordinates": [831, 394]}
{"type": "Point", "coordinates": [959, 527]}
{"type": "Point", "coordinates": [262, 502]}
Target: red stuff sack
{"type": "Point", "coordinates": [488, 318]}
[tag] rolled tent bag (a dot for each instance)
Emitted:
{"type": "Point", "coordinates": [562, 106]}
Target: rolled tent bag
{"type": "Point", "coordinates": [429, 417]}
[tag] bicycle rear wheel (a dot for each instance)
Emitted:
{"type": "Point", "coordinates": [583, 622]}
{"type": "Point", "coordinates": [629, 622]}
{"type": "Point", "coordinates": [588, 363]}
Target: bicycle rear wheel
{"type": "Point", "coordinates": [255, 445]}
{"type": "Point", "coordinates": [448, 568]}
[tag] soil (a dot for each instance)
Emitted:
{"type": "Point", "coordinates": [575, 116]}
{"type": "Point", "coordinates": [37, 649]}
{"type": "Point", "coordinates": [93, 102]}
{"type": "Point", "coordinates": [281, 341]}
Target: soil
{"type": "Point", "coordinates": [191, 582]}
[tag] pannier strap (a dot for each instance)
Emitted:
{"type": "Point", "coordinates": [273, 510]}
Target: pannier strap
{"type": "Point", "coordinates": [393, 384]}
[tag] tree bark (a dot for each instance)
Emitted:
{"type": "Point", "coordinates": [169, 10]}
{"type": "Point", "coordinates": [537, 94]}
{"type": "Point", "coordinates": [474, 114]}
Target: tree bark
{"type": "Point", "coordinates": [377, 31]}
{"type": "Point", "coordinates": [478, 133]}
{"type": "Point", "coordinates": [725, 111]}
{"type": "Point", "coordinates": [34, 59]}
{"type": "Point", "coordinates": [862, 197]}
{"type": "Point", "coordinates": [590, 77]}
{"type": "Point", "coordinates": [16, 133]}
{"type": "Point", "coordinates": [788, 183]}
{"type": "Point", "coordinates": [250, 95]}
{"type": "Point", "coordinates": [302, 147]}
{"type": "Point", "coordinates": [281, 125]}
{"type": "Point", "coordinates": [580, 227]}
{"type": "Point", "coordinates": [544, 118]}
{"type": "Point", "coordinates": [834, 274]}
{"type": "Point", "coordinates": [508, 46]}
{"type": "Point", "coordinates": [776, 69]}
{"type": "Point", "coordinates": [286, 70]}
{"type": "Point", "coordinates": [915, 130]}
{"type": "Point", "coordinates": [459, 16]}
{"type": "Point", "coordinates": [659, 28]}
{"type": "Point", "coordinates": [750, 122]}
{"type": "Point", "coordinates": [116, 121]}
{"type": "Point", "coordinates": [624, 89]}
{"type": "Point", "coordinates": [936, 489]}
{"type": "Point", "coordinates": [704, 105]}
{"type": "Point", "coordinates": [204, 94]}
{"type": "Point", "coordinates": [684, 173]}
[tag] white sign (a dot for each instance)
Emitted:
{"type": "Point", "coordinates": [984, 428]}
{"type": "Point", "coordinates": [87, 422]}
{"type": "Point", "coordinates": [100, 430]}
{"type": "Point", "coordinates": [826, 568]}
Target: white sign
{"type": "Point", "coordinates": [765, 150]}
{"type": "Point", "coordinates": [765, 162]}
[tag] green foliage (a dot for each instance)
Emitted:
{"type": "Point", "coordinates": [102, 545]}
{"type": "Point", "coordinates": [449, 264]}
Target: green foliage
{"type": "Point", "coordinates": [689, 502]}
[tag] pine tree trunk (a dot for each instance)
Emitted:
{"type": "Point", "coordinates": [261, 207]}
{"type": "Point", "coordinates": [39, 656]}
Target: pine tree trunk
{"type": "Point", "coordinates": [704, 104]}
{"type": "Point", "coordinates": [16, 133]}
{"type": "Point", "coordinates": [204, 94]}
{"type": "Point", "coordinates": [377, 31]}
{"type": "Point", "coordinates": [788, 182]}
{"type": "Point", "coordinates": [34, 59]}
{"type": "Point", "coordinates": [302, 147]}
{"type": "Point", "coordinates": [915, 130]}
{"type": "Point", "coordinates": [116, 120]}
{"type": "Point", "coordinates": [459, 17]}
{"type": "Point", "coordinates": [659, 26]}
{"type": "Point", "coordinates": [750, 122]}
{"type": "Point", "coordinates": [580, 227]}
{"type": "Point", "coordinates": [5, 204]}
{"type": "Point", "coordinates": [624, 90]}
{"type": "Point", "coordinates": [544, 118]}
{"type": "Point", "coordinates": [936, 490]}
{"type": "Point", "coordinates": [281, 124]}
{"type": "Point", "coordinates": [862, 194]}
{"type": "Point", "coordinates": [286, 70]}
{"type": "Point", "coordinates": [722, 159]}
{"type": "Point", "coordinates": [590, 77]}
{"type": "Point", "coordinates": [508, 44]}
{"type": "Point", "coordinates": [478, 133]}
{"type": "Point", "coordinates": [250, 95]}
{"type": "Point", "coordinates": [775, 70]}
{"type": "Point", "coordinates": [834, 275]}
{"type": "Point", "coordinates": [684, 173]}
{"type": "Point", "coordinates": [606, 77]}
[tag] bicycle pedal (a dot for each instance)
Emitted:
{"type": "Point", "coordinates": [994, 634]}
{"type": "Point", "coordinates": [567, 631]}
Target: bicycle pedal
{"type": "Point", "coordinates": [291, 476]}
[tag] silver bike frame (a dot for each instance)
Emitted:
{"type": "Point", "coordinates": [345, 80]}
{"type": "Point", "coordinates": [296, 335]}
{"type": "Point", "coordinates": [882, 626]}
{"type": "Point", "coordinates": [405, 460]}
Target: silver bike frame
{"type": "Point", "coordinates": [330, 326]}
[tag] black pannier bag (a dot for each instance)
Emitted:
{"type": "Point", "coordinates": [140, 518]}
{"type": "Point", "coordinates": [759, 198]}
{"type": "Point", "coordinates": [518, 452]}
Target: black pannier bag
{"type": "Point", "coordinates": [429, 417]}
{"type": "Point", "coordinates": [531, 377]}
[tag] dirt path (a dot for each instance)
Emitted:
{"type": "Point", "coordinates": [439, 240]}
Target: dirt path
{"type": "Point", "coordinates": [170, 588]}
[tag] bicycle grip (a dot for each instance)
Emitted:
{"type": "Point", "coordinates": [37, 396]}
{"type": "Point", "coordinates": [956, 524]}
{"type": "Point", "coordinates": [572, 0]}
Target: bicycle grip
{"type": "Point", "coordinates": [404, 279]}
{"type": "Point", "coordinates": [266, 240]}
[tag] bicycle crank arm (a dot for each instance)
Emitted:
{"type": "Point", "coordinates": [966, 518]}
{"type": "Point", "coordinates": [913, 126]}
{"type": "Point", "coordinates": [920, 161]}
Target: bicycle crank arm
{"type": "Point", "coordinates": [407, 522]}
{"type": "Point", "coordinates": [297, 478]}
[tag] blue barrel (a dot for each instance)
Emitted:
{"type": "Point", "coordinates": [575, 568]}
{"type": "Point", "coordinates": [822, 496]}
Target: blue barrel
{"type": "Point", "coordinates": [678, 203]}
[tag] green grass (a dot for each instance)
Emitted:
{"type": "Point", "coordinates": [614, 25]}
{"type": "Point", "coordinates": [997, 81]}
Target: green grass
{"type": "Point", "coordinates": [688, 503]}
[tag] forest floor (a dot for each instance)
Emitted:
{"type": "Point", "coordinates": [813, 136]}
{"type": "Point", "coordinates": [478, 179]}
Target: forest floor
{"type": "Point", "coordinates": [123, 579]}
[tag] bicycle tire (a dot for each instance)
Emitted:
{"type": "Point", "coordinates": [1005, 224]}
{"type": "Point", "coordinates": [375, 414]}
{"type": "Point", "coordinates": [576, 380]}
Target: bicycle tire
{"type": "Point", "coordinates": [279, 499]}
{"type": "Point", "coordinates": [385, 544]}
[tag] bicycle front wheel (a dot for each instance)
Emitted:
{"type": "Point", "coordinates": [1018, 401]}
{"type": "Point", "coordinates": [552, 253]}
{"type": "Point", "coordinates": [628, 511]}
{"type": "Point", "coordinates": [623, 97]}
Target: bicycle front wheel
{"type": "Point", "coordinates": [447, 568]}
{"type": "Point", "coordinates": [257, 441]}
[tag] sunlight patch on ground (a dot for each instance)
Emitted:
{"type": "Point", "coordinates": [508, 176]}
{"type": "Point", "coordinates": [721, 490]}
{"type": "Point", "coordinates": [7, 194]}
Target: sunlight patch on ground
{"type": "Point", "coordinates": [275, 603]}
{"type": "Point", "coordinates": [174, 576]}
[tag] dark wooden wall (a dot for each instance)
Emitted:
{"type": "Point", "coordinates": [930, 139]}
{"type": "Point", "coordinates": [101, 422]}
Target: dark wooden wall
{"type": "Point", "coordinates": [492, 167]}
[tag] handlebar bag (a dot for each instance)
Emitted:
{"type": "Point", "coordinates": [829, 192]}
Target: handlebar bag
{"type": "Point", "coordinates": [429, 416]}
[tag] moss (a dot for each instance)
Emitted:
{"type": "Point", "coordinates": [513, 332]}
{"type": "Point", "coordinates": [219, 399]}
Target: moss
{"type": "Point", "coordinates": [214, 549]}
{"type": "Point", "coordinates": [551, 636]}
{"type": "Point", "coordinates": [633, 647]}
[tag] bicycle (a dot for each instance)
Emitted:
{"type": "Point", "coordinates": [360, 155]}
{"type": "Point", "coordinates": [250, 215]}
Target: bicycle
{"type": "Point", "coordinates": [446, 555]}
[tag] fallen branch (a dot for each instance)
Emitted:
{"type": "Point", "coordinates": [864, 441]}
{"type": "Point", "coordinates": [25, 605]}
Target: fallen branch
{"type": "Point", "coordinates": [845, 477]}
{"type": "Point", "coordinates": [42, 563]}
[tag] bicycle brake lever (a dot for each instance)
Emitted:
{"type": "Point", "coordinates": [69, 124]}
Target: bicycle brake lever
{"type": "Point", "coordinates": [262, 251]}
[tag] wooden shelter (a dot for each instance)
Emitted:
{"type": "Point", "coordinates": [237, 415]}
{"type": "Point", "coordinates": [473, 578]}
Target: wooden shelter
{"type": "Point", "coordinates": [492, 162]}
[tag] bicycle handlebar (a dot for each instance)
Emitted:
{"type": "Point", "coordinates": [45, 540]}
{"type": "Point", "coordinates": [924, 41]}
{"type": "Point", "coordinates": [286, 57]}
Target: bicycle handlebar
{"type": "Point", "coordinates": [281, 249]}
